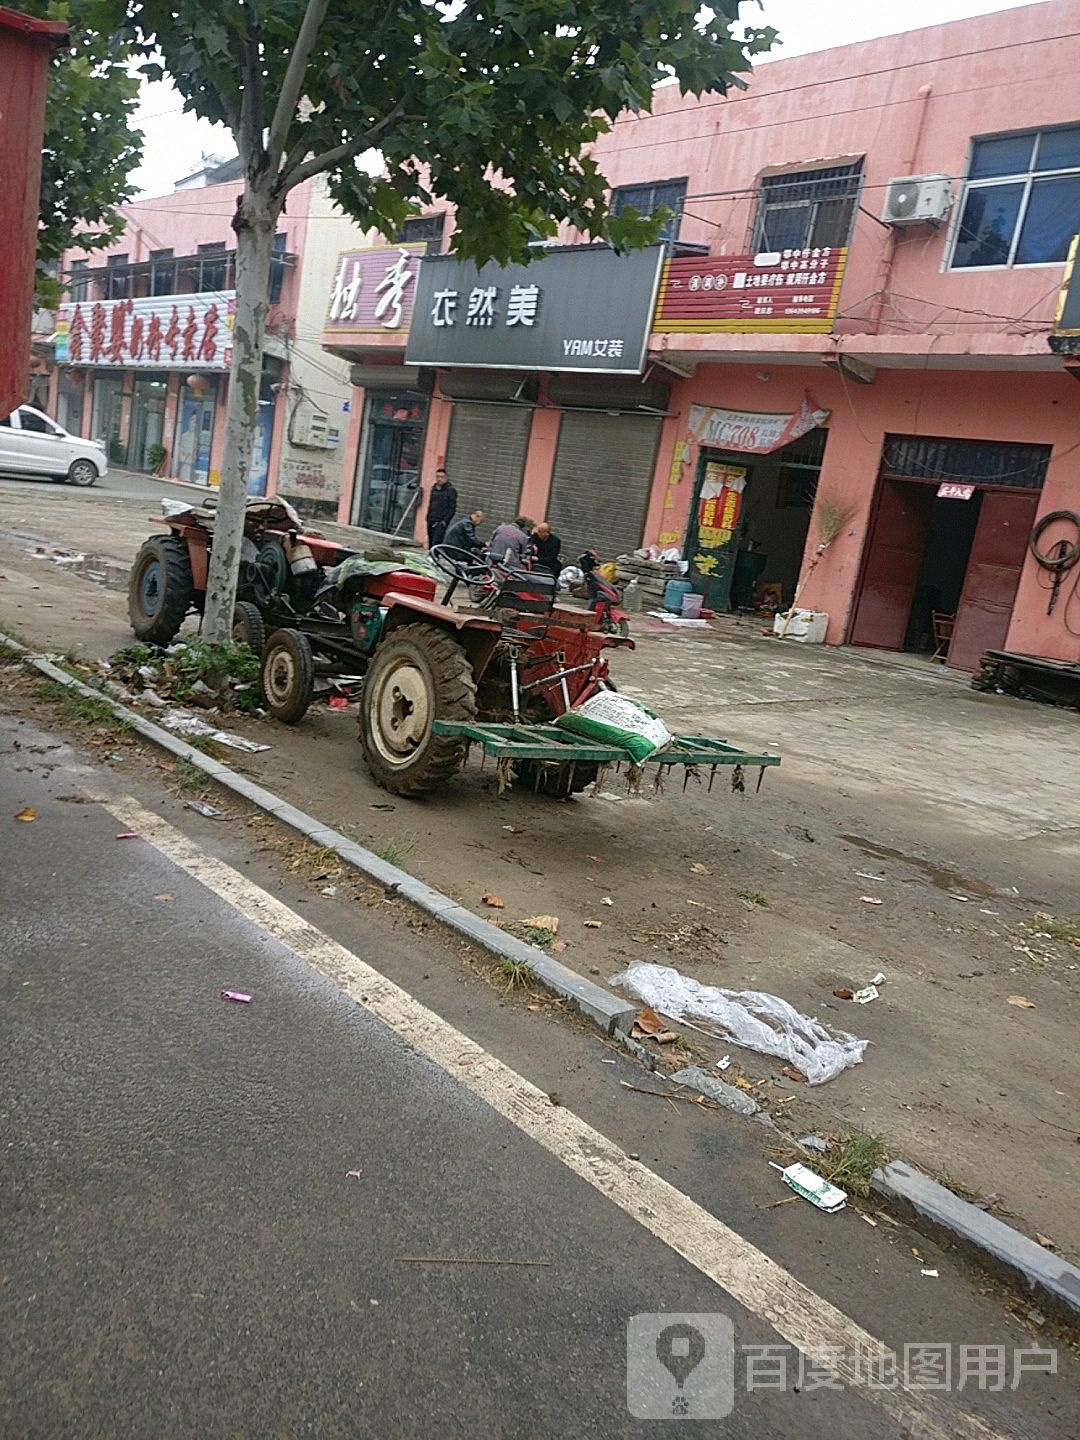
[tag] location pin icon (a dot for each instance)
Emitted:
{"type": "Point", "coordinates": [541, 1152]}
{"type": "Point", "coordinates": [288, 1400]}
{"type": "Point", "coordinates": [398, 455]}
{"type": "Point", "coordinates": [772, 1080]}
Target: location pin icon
{"type": "Point", "coordinates": [680, 1349]}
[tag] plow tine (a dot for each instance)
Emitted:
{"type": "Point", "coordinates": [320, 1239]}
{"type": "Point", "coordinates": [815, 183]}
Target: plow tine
{"type": "Point", "coordinates": [712, 777]}
{"type": "Point", "coordinates": [760, 778]}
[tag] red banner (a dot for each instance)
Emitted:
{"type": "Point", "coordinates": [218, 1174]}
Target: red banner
{"type": "Point", "coordinates": [784, 290]}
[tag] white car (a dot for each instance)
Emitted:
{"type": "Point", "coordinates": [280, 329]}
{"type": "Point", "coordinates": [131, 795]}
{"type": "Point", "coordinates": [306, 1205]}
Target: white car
{"type": "Point", "coordinates": [32, 444]}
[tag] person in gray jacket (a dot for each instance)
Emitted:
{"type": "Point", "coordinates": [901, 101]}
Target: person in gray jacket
{"type": "Point", "coordinates": [512, 543]}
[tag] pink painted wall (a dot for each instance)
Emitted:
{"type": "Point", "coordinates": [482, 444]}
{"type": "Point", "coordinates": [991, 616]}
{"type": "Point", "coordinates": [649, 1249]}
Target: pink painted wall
{"type": "Point", "coordinates": [1033, 409]}
{"type": "Point", "coordinates": [1007, 71]}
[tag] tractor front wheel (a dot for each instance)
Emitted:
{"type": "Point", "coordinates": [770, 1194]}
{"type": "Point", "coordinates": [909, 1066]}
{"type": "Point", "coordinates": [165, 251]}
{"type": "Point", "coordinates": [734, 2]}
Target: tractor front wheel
{"type": "Point", "coordinates": [419, 674]}
{"type": "Point", "coordinates": [287, 675]}
{"type": "Point", "coordinates": [248, 626]}
{"type": "Point", "coordinates": [160, 589]}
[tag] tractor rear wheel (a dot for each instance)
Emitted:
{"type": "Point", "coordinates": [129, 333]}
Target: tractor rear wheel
{"type": "Point", "coordinates": [288, 675]}
{"type": "Point", "coordinates": [419, 674]}
{"type": "Point", "coordinates": [559, 781]}
{"type": "Point", "coordinates": [160, 589]}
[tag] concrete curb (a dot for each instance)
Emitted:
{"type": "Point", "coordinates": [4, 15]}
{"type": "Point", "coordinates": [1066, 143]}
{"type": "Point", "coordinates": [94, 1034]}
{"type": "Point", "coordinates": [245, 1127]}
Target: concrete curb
{"type": "Point", "coordinates": [594, 1002]}
{"type": "Point", "coordinates": [1055, 1281]}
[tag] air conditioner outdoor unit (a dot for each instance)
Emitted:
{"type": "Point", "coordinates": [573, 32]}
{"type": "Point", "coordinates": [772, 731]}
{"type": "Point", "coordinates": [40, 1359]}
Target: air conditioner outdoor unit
{"type": "Point", "coordinates": [916, 200]}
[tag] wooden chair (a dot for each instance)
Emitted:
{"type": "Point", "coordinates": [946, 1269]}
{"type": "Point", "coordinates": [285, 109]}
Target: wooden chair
{"type": "Point", "coordinates": [943, 628]}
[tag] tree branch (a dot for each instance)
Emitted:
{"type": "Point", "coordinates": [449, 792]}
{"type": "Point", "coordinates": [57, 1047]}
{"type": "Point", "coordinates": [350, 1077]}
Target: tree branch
{"type": "Point", "coordinates": [291, 86]}
{"type": "Point", "coordinates": [338, 154]}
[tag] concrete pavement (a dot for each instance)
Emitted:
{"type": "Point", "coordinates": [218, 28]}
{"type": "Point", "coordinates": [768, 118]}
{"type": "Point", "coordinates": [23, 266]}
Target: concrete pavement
{"type": "Point", "coordinates": [186, 1253]}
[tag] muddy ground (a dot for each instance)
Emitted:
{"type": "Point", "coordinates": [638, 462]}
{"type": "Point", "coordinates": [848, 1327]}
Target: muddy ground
{"type": "Point", "coordinates": [959, 812]}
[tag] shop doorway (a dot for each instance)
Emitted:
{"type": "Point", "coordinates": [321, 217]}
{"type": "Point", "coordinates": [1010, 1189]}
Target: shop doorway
{"type": "Point", "coordinates": [145, 451]}
{"type": "Point", "coordinates": [388, 471]}
{"type": "Point", "coordinates": [195, 434]}
{"type": "Point", "coordinates": [945, 549]}
{"type": "Point", "coordinates": [107, 416]}
{"type": "Point", "coordinates": [749, 521]}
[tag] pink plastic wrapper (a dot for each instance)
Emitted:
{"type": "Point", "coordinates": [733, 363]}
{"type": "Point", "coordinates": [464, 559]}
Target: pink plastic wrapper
{"type": "Point", "coordinates": [237, 995]}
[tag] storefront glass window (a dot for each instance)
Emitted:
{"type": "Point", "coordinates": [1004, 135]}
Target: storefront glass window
{"type": "Point", "coordinates": [388, 472]}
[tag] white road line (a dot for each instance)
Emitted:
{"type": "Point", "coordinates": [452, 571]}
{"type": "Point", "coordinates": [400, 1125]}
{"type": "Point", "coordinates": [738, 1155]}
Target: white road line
{"type": "Point", "coordinates": [747, 1274]}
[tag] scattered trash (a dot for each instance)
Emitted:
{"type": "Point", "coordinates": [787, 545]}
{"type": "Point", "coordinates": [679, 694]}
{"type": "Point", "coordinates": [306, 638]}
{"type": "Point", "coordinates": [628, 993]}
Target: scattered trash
{"type": "Point", "coordinates": [698, 869]}
{"type": "Point", "coordinates": [969, 974]}
{"type": "Point", "coordinates": [751, 1018]}
{"type": "Point", "coordinates": [869, 900]}
{"type": "Point", "coordinates": [878, 979]}
{"type": "Point", "coordinates": [163, 897]}
{"type": "Point", "coordinates": [543, 922]}
{"type": "Point", "coordinates": [27, 815]}
{"type": "Point", "coordinates": [989, 912]}
{"type": "Point", "coordinates": [608, 1062]}
{"type": "Point", "coordinates": [511, 828]}
{"type": "Point", "coordinates": [865, 875]}
{"type": "Point", "coordinates": [793, 1074]}
{"type": "Point", "coordinates": [337, 702]}
{"type": "Point", "coordinates": [204, 808]}
{"type": "Point", "coordinates": [330, 890]}
{"type": "Point", "coordinates": [647, 1022]}
{"type": "Point", "coordinates": [596, 859]}
{"type": "Point", "coordinates": [353, 1174]}
{"type": "Point", "coordinates": [932, 1274]}
{"type": "Point", "coordinates": [724, 1064]}
{"type": "Point", "coordinates": [555, 1097]}
{"type": "Point", "coordinates": [127, 835]}
{"type": "Point", "coordinates": [238, 996]}
{"type": "Point", "coordinates": [962, 898]}
{"type": "Point", "coordinates": [558, 946]}
{"type": "Point", "coordinates": [865, 995]}
{"type": "Point", "coordinates": [813, 1142]}
{"type": "Point", "coordinates": [868, 1220]}
{"type": "Point", "coordinates": [183, 723]}
{"type": "Point", "coordinates": [844, 994]}
{"type": "Point", "coordinates": [593, 924]}
{"type": "Point", "coordinates": [607, 900]}
{"type": "Point", "coordinates": [492, 901]}
{"type": "Point", "coordinates": [1021, 1002]}
{"type": "Point", "coordinates": [377, 805]}
{"type": "Point", "coordinates": [812, 1186]}
{"type": "Point", "coordinates": [1045, 1241]}
{"type": "Point", "coordinates": [988, 1201]}
{"type": "Point", "coordinates": [666, 1037]}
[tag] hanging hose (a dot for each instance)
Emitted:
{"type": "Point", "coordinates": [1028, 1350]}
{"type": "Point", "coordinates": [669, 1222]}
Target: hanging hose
{"type": "Point", "coordinates": [1068, 556]}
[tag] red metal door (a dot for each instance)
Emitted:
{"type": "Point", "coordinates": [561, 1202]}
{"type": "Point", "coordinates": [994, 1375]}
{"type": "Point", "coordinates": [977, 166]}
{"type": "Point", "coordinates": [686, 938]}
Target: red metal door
{"type": "Point", "coordinates": [993, 573]}
{"type": "Point", "coordinates": [891, 568]}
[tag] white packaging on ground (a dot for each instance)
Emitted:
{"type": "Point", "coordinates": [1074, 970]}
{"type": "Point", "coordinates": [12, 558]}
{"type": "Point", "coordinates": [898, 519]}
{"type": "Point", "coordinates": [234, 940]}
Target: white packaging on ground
{"type": "Point", "coordinates": [750, 1018]}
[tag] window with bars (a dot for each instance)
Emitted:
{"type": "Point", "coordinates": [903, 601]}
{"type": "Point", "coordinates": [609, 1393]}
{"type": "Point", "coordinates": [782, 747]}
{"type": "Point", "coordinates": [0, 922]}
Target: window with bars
{"type": "Point", "coordinates": [807, 208]}
{"type": "Point", "coordinates": [117, 277]}
{"type": "Point", "coordinates": [974, 462]}
{"type": "Point", "coordinates": [426, 229]}
{"type": "Point", "coordinates": [213, 267]}
{"type": "Point", "coordinates": [1022, 200]}
{"type": "Point", "coordinates": [647, 199]}
{"type": "Point", "coordinates": [78, 282]}
{"type": "Point", "coordinates": [162, 272]}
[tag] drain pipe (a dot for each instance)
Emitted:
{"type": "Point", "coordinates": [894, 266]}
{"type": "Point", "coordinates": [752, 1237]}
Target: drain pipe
{"type": "Point", "coordinates": [886, 264]}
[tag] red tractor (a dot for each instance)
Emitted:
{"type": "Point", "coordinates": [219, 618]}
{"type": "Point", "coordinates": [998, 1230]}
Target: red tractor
{"type": "Point", "coordinates": [317, 613]}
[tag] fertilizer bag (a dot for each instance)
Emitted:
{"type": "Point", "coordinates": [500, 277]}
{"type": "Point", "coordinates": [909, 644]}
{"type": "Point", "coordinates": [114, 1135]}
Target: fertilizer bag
{"type": "Point", "coordinates": [615, 719]}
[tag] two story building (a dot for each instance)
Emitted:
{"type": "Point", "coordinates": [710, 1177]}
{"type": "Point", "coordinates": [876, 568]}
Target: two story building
{"type": "Point", "coordinates": [845, 390]}
{"type": "Point", "coordinates": [143, 342]}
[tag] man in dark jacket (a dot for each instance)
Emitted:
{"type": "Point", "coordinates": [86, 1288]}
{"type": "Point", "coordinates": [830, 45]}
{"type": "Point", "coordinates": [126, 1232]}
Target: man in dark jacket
{"type": "Point", "coordinates": [442, 507]}
{"type": "Point", "coordinates": [546, 548]}
{"type": "Point", "coordinates": [462, 533]}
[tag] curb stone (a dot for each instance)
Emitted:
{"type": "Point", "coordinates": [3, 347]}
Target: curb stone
{"type": "Point", "coordinates": [600, 1006]}
{"type": "Point", "coordinates": [1055, 1281]}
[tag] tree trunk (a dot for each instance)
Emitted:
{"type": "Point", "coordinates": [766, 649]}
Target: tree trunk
{"type": "Point", "coordinates": [255, 222]}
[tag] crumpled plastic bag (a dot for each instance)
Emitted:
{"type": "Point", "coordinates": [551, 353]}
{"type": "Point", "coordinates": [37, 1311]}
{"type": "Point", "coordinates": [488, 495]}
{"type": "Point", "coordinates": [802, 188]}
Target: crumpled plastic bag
{"type": "Point", "coordinates": [750, 1018]}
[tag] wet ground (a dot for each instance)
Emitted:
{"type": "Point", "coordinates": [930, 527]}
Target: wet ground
{"type": "Point", "coordinates": [959, 812]}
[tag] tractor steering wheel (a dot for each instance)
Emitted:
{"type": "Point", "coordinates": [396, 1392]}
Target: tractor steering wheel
{"type": "Point", "coordinates": [461, 565]}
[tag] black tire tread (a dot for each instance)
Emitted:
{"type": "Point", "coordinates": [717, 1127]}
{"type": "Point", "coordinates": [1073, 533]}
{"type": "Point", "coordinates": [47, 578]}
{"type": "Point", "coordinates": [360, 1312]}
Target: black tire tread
{"type": "Point", "coordinates": [248, 618]}
{"type": "Point", "coordinates": [297, 642]}
{"type": "Point", "coordinates": [455, 683]}
{"type": "Point", "coordinates": [172, 553]}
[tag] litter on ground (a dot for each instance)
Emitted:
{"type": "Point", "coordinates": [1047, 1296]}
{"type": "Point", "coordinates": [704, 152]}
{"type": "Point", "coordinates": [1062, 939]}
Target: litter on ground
{"type": "Point", "coordinates": [812, 1186]}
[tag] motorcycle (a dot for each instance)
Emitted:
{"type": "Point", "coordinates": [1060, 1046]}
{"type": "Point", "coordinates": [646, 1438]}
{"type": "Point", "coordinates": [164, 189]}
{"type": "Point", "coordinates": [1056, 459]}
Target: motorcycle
{"type": "Point", "coordinates": [602, 596]}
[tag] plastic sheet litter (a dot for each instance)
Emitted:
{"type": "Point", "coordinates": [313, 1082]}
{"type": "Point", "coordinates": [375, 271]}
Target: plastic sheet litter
{"type": "Point", "coordinates": [750, 1018]}
{"type": "Point", "coordinates": [617, 720]}
{"type": "Point", "coordinates": [184, 723]}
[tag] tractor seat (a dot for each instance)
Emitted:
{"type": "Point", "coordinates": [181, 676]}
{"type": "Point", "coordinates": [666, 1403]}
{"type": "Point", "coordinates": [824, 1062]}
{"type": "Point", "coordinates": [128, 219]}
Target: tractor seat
{"type": "Point", "coordinates": [524, 604]}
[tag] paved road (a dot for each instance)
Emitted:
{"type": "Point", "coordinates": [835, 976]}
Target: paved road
{"type": "Point", "coordinates": [187, 1254]}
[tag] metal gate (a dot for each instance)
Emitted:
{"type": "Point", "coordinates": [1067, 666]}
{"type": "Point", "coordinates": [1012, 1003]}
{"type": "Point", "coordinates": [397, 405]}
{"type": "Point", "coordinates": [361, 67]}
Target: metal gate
{"type": "Point", "coordinates": [485, 457]}
{"type": "Point", "coordinates": [601, 482]}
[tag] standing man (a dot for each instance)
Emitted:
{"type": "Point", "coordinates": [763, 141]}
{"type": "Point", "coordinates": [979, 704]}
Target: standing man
{"type": "Point", "coordinates": [462, 534]}
{"type": "Point", "coordinates": [546, 547]}
{"type": "Point", "coordinates": [442, 507]}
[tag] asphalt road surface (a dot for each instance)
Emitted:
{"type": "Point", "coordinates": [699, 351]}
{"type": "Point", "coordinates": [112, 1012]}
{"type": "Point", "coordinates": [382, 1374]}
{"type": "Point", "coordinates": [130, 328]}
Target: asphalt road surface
{"type": "Point", "coordinates": [208, 1205]}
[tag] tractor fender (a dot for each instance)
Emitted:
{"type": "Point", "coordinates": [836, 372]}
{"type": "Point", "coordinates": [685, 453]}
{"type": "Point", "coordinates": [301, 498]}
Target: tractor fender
{"type": "Point", "coordinates": [478, 637]}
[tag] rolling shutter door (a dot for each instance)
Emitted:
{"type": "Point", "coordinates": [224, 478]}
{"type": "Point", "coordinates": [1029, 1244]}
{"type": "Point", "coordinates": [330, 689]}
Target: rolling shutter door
{"type": "Point", "coordinates": [601, 483]}
{"type": "Point", "coordinates": [485, 457]}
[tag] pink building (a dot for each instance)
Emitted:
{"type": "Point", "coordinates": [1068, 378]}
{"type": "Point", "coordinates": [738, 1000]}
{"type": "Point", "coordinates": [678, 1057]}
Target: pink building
{"type": "Point", "coordinates": [851, 334]}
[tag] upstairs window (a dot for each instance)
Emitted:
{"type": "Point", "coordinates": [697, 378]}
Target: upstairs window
{"type": "Point", "coordinates": [117, 277]}
{"type": "Point", "coordinates": [647, 199]}
{"type": "Point", "coordinates": [78, 281]}
{"type": "Point", "coordinates": [277, 267]}
{"type": "Point", "coordinates": [1022, 202]}
{"type": "Point", "coordinates": [424, 229]}
{"type": "Point", "coordinates": [807, 208]}
{"type": "Point", "coordinates": [162, 272]}
{"type": "Point", "coordinates": [212, 267]}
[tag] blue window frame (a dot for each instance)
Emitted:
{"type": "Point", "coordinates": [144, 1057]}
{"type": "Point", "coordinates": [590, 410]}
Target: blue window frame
{"type": "Point", "coordinates": [647, 199]}
{"type": "Point", "coordinates": [1021, 205]}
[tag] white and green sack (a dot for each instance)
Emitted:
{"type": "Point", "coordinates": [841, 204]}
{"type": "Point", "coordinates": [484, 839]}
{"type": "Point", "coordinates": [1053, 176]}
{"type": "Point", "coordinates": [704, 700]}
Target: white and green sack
{"type": "Point", "coordinates": [615, 719]}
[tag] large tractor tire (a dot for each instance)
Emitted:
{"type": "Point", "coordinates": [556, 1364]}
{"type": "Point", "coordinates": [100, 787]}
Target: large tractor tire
{"type": "Point", "coordinates": [160, 589]}
{"type": "Point", "coordinates": [419, 674]}
{"type": "Point", "coordinates": [287, 675]}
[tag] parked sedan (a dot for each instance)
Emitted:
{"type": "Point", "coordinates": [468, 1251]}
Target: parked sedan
{"type": "Point", "coordinates": [32, 444]}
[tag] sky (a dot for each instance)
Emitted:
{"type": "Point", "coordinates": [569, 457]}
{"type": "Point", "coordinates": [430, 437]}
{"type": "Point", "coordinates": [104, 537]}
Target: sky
{"type": "Point", "coordinates": [174, 142]}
